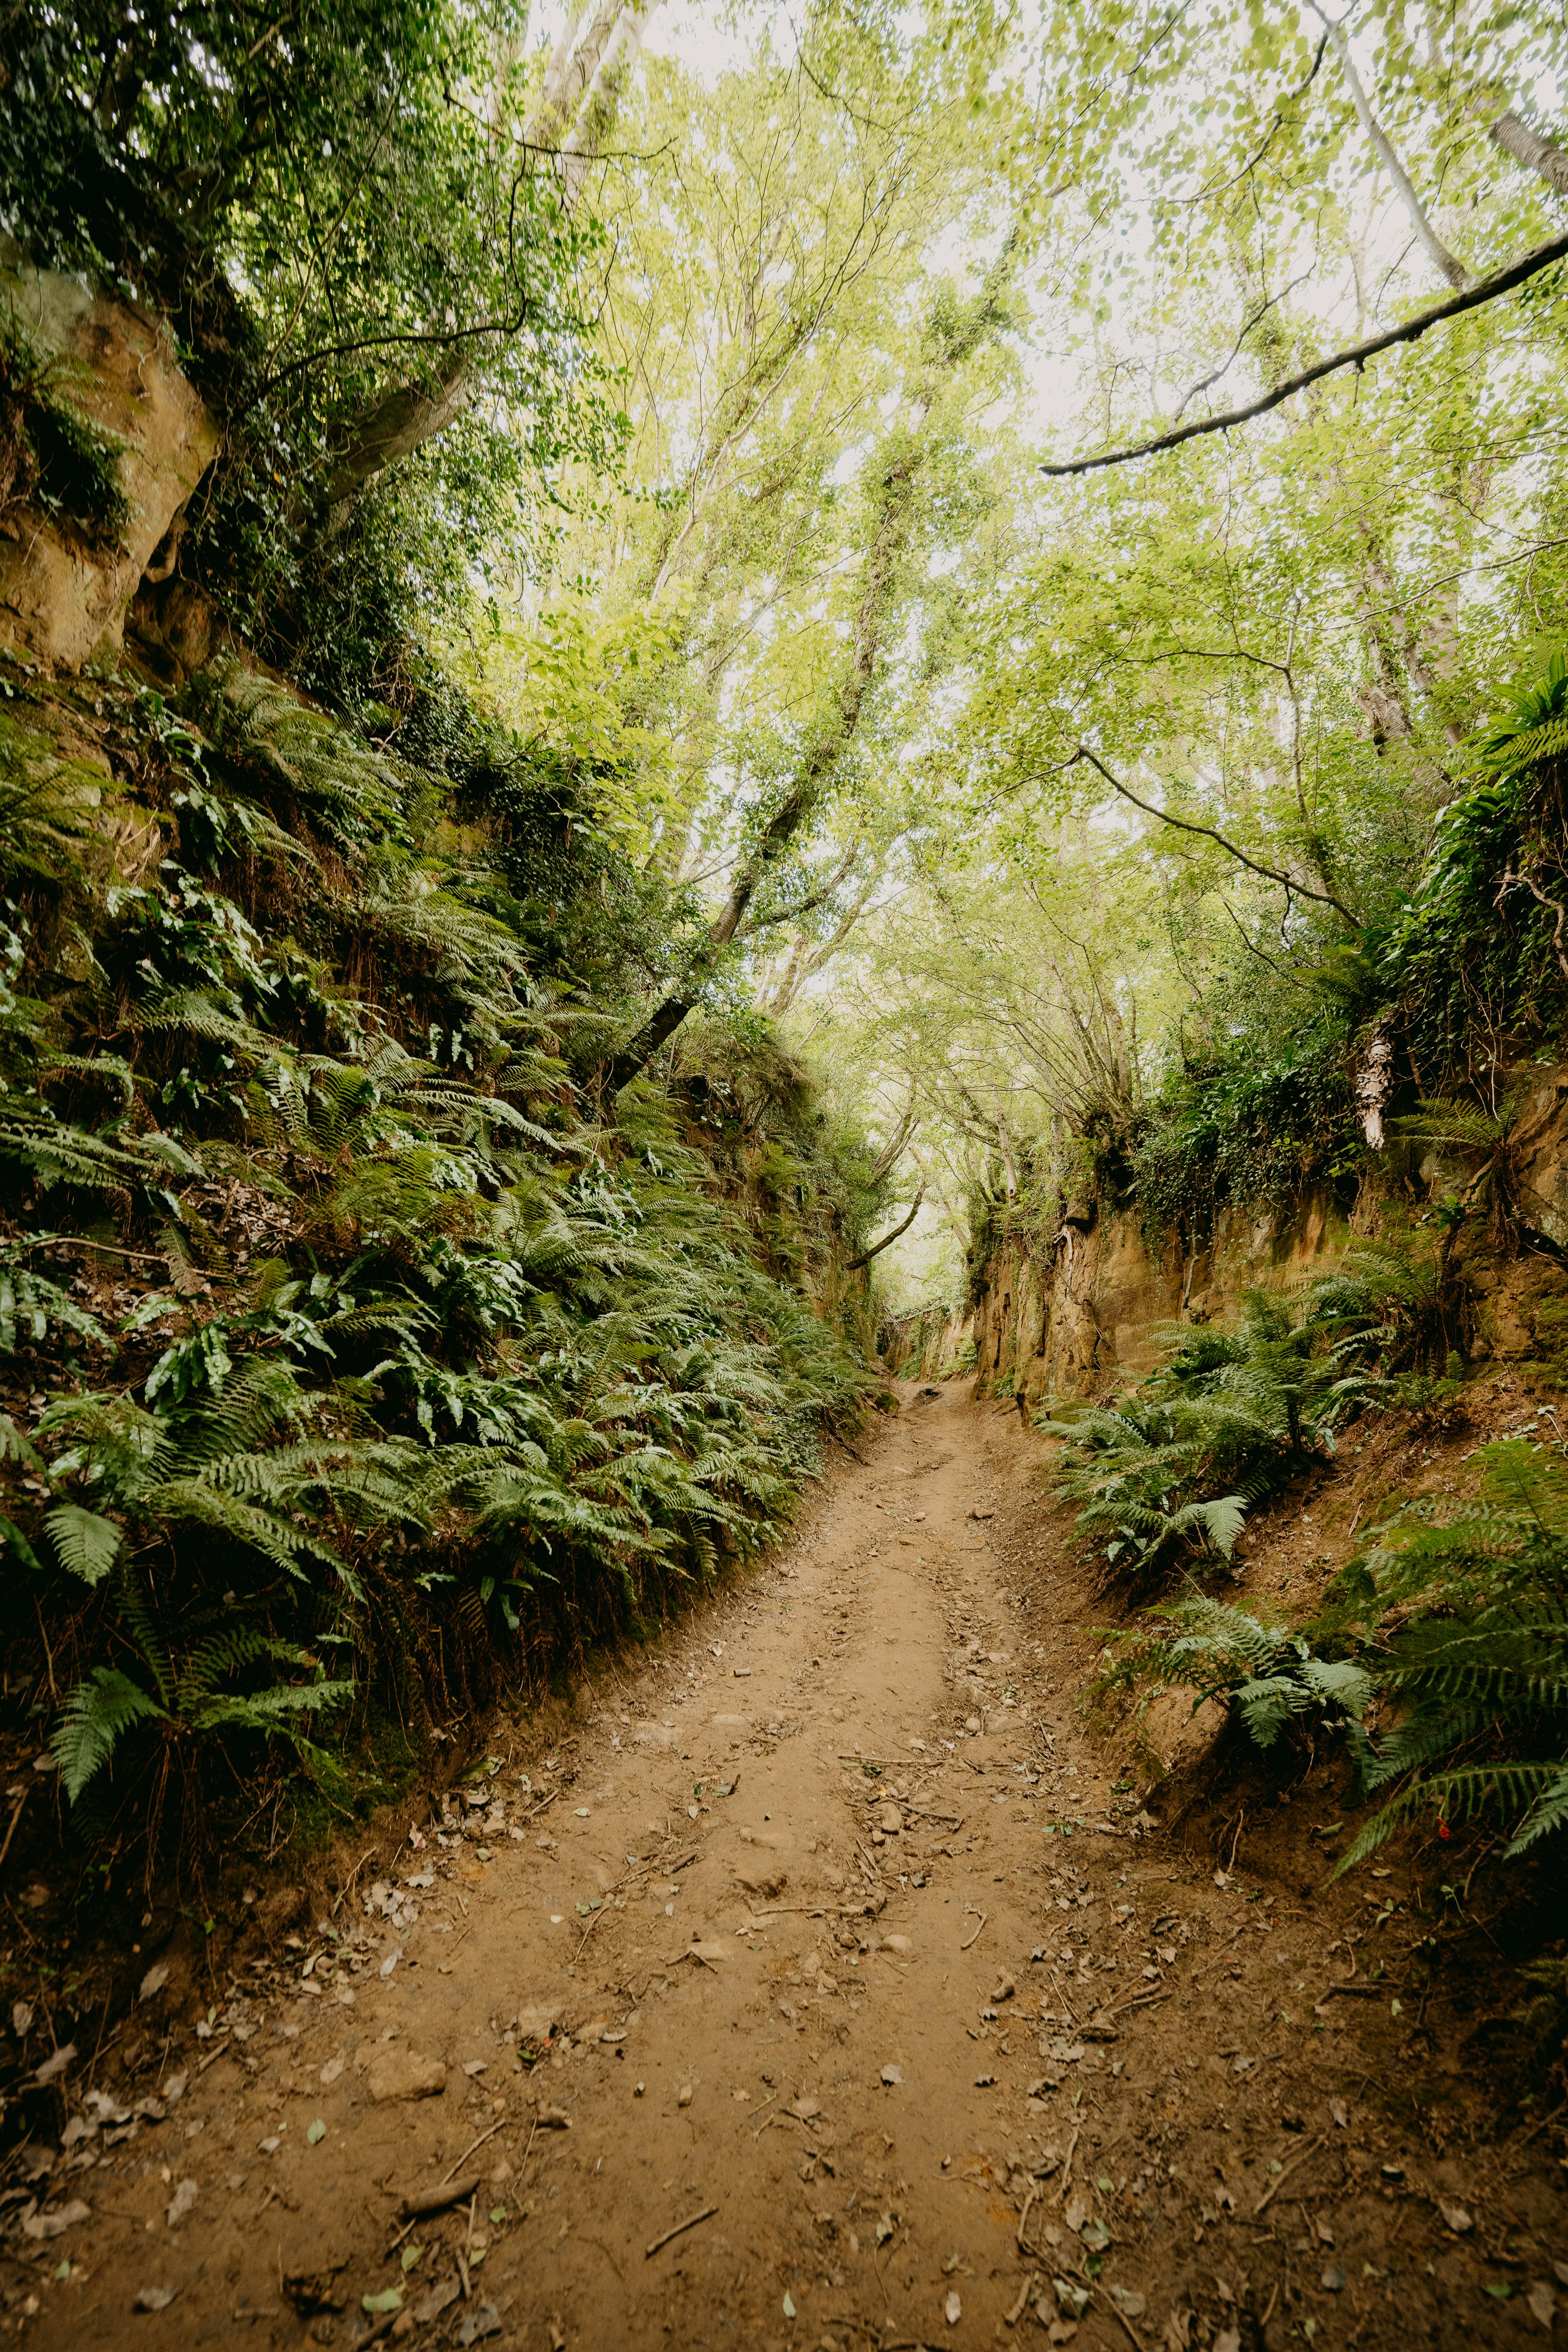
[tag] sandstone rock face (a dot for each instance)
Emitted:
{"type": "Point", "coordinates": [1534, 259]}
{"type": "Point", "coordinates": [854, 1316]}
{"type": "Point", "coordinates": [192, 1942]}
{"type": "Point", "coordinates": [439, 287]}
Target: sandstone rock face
{"type": "Point", "coordinates": [62, 599]}
{"type": "Point", "coordinates": [1083, 1315]}
{"type": "Point", "coordinates": [1183, 1731]}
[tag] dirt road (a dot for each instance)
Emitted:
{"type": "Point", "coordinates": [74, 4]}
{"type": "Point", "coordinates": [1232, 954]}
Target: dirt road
{"type": "Point", "coordinates": [823, 1991]}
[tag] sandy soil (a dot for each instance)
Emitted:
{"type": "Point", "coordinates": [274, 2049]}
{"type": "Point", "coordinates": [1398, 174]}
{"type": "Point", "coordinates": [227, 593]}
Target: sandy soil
{"type": "Point", "coordinates": [827, 1988]}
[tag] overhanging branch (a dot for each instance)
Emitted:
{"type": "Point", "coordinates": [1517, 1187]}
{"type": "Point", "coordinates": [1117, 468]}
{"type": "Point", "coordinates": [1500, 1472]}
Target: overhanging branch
{"type": "Point", "coordinates": [1185, 824]}
{"type": "Point", "coordinates": [1472, 298]}
{"type": "Point", "coordinates": [887, 1240]}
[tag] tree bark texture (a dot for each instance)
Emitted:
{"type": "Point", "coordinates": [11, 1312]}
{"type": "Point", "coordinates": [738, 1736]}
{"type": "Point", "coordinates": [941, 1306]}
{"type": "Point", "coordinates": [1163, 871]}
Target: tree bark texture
{"type": "Point", "coordinates": [1527, 147]}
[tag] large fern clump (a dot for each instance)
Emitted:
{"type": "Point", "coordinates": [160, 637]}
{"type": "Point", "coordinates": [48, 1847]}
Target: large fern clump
{"type": "Point", "coordinates": [1268, 1674]}
{"type": "Point", "coordinates": [1170, 1473]}
{"type": "Point", "coordinates": [361, 1366]}
{"type": "Point", "coordinates": [1468, 1636]}
{"type": "Point", "coordinates": [1455, 1622]}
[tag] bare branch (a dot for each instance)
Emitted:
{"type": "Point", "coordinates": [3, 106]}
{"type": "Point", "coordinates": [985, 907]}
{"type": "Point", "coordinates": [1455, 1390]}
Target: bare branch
{"type": "Point", "coordinates": [1486, 290]}
{"type": "Point", "coordinates": [887, 1240]}
{"type": "Point", "coordinates": [1184, 824]}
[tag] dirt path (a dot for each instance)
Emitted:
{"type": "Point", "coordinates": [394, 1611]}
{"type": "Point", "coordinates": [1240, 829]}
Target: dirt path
{"type": "Point", "coordinates": [790, 1949]}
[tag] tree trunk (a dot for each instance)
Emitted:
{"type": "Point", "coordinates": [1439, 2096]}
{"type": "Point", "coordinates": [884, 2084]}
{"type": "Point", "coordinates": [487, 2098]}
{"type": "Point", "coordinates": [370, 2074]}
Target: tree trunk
{"type": "Point", "coordinates": [1452, 268]}
{"type": "Point", "coordinates": [879, 583]}
{"type": "Point", "coordinates": [601, 99]}
{"type": "Point", "coordinates": [571, 68]}
{"type": "Point", "coordinates": [395, 426]}
{"type": "Point", "coordinates": [887, 1240]}
{"type": "Point", "coordinates": [1527, 147]}
{"type": "Point", "coordinates": [582, 87]}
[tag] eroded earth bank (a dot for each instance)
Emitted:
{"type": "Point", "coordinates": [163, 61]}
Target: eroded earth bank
{"type": "Point", "coordinates": [828, 1987]}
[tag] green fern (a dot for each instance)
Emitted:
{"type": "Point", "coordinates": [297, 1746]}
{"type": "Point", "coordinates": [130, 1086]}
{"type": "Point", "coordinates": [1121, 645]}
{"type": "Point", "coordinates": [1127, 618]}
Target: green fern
{"type": "Point", "coordinates": [29, 1297]}
{"type": "Point", "coordinates": [86, 1544]}
{"type": "Point", "coordinates": [1265, 1674]}
{"type": "Point", "coordinates": [262, 730]}
{"type": "Point", "coordinates": [103, 1707]}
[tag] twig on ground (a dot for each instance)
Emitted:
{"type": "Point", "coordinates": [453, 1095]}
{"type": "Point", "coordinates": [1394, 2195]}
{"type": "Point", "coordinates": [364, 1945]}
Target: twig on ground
{"type": "Point", "coordinates": [213, 2056]}
{"type": "Point", "coordinates": [680, 2229]}
{"type": "Point", "coordinates": [1126, 2323]}
{"type": "Point", "coordinates": [412, 2222]}
{"type": "Point", "coordinates": [1062, 1997]}
{"type": "Point", "coordinates": [1223, 1950]}
{"type": "Point", "coordinates": [1540, 2125]}
{"type": "Point", "coordinates": [638, 1870]}
{"type": "Point", "coordinates": [978, 1924]}
{"type": "Point", "coordinates": [1241, 1825]}
{"type": "Point", "coordinates": [1067, 2166]}
{"type": "Point", "coordinates": [15, 1817]}
{"type": "Point", "coordinates": [346, 1889]}
{"type": "Point", "coordinates": [1351, 1992]}
{"type": "Point", "coordinates": [1139, 2001]}
{"type": "Point", "coordinates": [1284, 2173]}
{"type": "Point", "coordinates": [468, 2151]}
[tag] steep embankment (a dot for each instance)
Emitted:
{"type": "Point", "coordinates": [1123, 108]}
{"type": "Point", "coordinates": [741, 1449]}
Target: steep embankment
{"type": "Point", "coordinates": [826, 1981]}
{"type": "Point", "coordinates": [362, 1359]}
{"type": "Point", "coordinates": [1074, 1310]}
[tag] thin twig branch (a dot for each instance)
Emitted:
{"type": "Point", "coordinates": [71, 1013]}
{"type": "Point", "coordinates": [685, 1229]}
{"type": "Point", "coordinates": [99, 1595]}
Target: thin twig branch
{"type": "Point", "coordinates": [1472, 298]}
{"type": "Point", "coordinates": [1185, 824]}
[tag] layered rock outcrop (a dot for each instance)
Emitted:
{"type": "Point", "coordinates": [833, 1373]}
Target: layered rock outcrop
{"type": "Point", "coordinates": [63, 597]}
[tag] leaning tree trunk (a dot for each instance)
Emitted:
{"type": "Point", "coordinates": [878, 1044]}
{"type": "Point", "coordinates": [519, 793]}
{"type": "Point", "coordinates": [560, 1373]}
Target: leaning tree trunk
{"type": "Point", "coordinates": [879, 577]}
{"type": "Point", "coordinates": [582, 87]}
{"type": "Point", "coordinates": [1457, 272]}
{"type": "Point", "coordinates": [1527, 147]}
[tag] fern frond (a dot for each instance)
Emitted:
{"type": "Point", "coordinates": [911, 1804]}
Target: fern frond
{"type": "Point", "coordinates": [86, 1544]}
{"type": "Point", "coordinates": [98, 1712]}
{"type": "Point", "coordinates": [271, 1710]}
{"type": "Point", "coordinates": [1458, 1796]}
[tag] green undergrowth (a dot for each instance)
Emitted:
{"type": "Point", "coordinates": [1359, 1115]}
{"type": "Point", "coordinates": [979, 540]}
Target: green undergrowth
{"type": "Point", "coordinates": [1439, 1656]}
{"type": "Point", "coordinates": [1165, 1475]}
{"type": "Point", "coordinates": [1435, 974]}
{"type": "Point", "coordinates": [361, 1362]}
{"type": "Point", "coordinates": [51, 456]}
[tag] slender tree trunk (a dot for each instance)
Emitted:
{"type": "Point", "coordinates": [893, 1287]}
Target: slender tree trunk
{"type": "Point", "coordinates": [1452, 268]}
{"type": "Point", "coordinates": [582, 87]}
{"type": "Point", "coordinates": [573, 62]}
{"type": "Point", "coordinates": [887, 1240]}
{"type": "Point", "coordinates": [878, 599]}
{"type": "Point", "coordinates": [601, 99]}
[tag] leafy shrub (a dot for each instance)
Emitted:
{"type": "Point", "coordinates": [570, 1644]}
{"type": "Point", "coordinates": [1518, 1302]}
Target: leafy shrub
{"type": "Point", "coordinates": [1251, 1124]}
